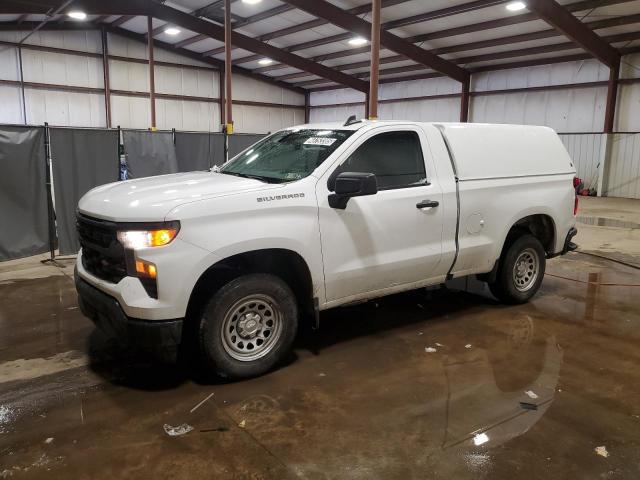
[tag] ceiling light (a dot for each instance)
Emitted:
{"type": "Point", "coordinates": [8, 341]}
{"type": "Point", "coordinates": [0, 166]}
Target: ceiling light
{"type": "Point", "coordinates": [265, 61]}
{"type": "Point", "coordinates": [251, 2]}
{"type": "Point", "coordinates": [77, 14]}
{"type": "Point", "coordinates": [515, 6]}
{"type": "Point", "coordinates": [172, 31]}
{"type": "Point", "coordinates": [357, 41]}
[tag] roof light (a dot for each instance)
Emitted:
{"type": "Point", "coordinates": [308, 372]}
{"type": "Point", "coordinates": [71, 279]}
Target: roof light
{"type": "Point", "coordinates": [251, 2]}
{"type": "Point", "coordinates": [77, 15]}
{"type": "Point", "coordinates": [265, 61]}
{"type": "Point", "coordinates": [172, 31]}
{"type": "Point", "coordinates": [357, 41]}
{"type": "Point", "coordinates": [516, 6]}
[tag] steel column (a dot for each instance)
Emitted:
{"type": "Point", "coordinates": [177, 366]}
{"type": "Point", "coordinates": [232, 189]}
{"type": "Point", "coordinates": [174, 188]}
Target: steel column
{"type": "Point", "coordinates": [464, 101]}
{"type": "Point", "coordinates": [228, 114]}
{"type": "Point", "coordinates": [152, 84]}
{"type": "Point", "coordinates": [612, 95]}
{"type": "Point", "coordinates": [375, 60]}
{"type": "Point", "coordinates": [105, 70]}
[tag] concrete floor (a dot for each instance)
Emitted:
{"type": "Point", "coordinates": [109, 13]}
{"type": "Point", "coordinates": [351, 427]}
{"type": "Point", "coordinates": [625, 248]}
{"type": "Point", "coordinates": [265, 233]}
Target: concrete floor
{"type": "Point", "coordinates": [361, 398]}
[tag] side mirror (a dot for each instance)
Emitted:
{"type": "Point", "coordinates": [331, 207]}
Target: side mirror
{"type": "Point", "coordinates": [352, 184]}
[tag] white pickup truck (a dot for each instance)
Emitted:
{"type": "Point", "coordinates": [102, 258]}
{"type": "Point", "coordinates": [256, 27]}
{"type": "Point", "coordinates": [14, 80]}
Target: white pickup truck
{"type": "Point", "coordinates": [314, 217]}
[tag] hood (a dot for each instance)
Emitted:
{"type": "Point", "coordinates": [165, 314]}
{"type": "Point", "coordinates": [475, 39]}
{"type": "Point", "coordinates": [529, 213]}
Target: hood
{"type": "Point", "coordinates": [150, 199]}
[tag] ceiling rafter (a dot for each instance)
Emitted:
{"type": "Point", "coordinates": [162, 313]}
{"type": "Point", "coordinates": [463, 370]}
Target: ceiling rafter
{"type": "Point", "coordinates": [566, 23]}
{"type": "Point", "coordinates": [556, 47]}
{"type": "Point", "coordinates": [198, 25]}
{"type": "Point", "coordinates": [423, 17]}
{"type": "Point", "coordinates": [462, 30]}
{"type": "Point", "coordinates": [524, 37]}
{"type": "Point", "coordinates": [349, 22]}
{"type": "Point", "coordinates": [302, 27]}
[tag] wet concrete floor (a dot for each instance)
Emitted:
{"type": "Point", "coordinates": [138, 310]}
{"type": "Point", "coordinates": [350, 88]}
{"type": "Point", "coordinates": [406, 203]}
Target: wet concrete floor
{"type": "Point", "coordinates": [526, 391]}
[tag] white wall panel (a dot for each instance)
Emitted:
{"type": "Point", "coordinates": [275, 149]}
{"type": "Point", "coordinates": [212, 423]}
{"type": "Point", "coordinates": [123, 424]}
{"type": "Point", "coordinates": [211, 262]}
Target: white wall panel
{"type": "Point", "coordinates": [186, 81]}
{"type": "Point", "coordinates": [83, 40]}
{"type": "Point", "coordinates": [253, 119]}
{"type": "Point", "coordinates": [628, 108]}
{"type": "Point", "coordinates": [129, 76]}
{"type": "Point", "coordinates": [250, 89]}
{"type": "Point", "coordinates": [541, 75]}
{"type": "Point", "coordinates": [585, 153]}
{"type": "Point", "coordinates": [624, 167]}
{"type": "Point", "coordinates": [65, 108]}
{"type": "Point", "coordinates": [11, 104]}
{"type": "Point", "coordinates": [9, 69]}
{"type": "Point", "coordinates": [333, 97]}
{"type": "Point", "coordinates": [187, 115]}
{"type": "Point", "coordinates": [438, 110]}
{"type": "Point", "coordinates": [130, 112]}
{"type": "Point", "coordinates": [418, 88]}
{"type": "Point", "coordinates": [335, 114]}
{"type": "Point", "coordinates": [61, 69]}
{"type": "Point", "coordinates": [578, 110]}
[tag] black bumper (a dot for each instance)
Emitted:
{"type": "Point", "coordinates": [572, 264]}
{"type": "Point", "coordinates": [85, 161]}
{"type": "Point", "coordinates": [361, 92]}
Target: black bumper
{"type": "Point", "coordinates": [106, 313]}
{"type": "Point", "coordinates": [569, 246]}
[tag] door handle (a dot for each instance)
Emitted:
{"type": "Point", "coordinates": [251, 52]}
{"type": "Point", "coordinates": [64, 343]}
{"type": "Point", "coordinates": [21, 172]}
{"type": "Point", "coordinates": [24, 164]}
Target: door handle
{"type": "Point", "coordinates": [427, 204]}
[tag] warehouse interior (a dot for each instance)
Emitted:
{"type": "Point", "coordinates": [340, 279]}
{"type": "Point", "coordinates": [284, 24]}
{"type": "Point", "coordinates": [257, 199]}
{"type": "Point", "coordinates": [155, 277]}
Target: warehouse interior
{"type": "Point", "coordinates": [433, 383]}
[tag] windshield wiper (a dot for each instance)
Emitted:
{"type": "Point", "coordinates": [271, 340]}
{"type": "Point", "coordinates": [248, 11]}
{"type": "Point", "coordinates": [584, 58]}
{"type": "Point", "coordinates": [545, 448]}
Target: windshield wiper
{"type": "Point", "coordinates": [255, 177]}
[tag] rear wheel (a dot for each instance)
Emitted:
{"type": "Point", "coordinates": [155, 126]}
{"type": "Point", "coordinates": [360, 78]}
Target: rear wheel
{"type": "Point", "coordinates": [248, 326]}
{"type": "Point", "coordinates": [520, 271]}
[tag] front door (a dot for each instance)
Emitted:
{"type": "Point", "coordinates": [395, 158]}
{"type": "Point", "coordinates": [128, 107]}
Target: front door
{"type": "Point", "coordinates": [390, 238]}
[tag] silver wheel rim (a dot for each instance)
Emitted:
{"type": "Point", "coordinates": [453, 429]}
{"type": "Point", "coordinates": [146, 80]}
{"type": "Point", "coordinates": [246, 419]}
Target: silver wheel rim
{"type": "Point", "coordinates": [251, 327]}
{"type": "Point", "coordinates": [525, 270]}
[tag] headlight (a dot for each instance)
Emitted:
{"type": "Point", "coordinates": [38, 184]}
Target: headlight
{"type": "Point", "coordinates": [136, 239]}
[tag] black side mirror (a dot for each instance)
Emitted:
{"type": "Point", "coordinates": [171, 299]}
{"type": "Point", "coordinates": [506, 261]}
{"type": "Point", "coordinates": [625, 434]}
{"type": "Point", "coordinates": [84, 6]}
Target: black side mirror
{"type": "Point", "coordinates": [352, 184]}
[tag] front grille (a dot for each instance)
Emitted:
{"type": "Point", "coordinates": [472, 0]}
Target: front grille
{"type": "Point", "coordinates": [102, 254]}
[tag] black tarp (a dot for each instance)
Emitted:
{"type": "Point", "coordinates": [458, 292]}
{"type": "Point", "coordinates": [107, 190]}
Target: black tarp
{"type": "Point", "coordinates": [81, 159]}
{"type": "Point", "coordinates": [239, 141]}
{"type": "Point", "coordinates": [23, 196]}
{"type": "Point", "coordinates": [199, 151]}
{"type": "Point", "coordinates": [149, 153]}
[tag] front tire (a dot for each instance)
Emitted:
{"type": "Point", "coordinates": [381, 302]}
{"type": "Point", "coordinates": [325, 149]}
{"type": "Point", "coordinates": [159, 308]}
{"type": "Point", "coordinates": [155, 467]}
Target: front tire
{"type": "Point", "coordinates": [248, 326]}
{"type": "Point", "coordinates": [520, 271]}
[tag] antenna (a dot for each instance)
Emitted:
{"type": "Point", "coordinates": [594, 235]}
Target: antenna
{"type": "Point", "coordinates": [350, 121]}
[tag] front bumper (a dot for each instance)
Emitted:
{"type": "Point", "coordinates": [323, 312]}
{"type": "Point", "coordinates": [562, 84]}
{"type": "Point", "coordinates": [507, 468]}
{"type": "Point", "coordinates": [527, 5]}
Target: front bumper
{"type": "Point", "coordinates": [106, 313]}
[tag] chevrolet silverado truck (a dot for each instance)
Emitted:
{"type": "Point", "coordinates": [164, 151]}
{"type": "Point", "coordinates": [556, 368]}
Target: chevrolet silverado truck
{"type": "Point", "coordinates": [318, 216]}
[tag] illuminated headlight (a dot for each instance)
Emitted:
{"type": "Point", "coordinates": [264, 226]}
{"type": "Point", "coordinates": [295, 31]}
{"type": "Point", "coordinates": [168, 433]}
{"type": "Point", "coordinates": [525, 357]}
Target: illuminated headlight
{"type": "Point", "coordinates": [137, 239]}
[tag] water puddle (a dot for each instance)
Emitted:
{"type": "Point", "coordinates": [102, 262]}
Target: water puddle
{"type": "Point", "coordinates": [607, 222]}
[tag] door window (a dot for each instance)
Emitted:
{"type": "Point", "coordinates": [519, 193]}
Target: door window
{"type": "Point", "coordinates": [394, 157]}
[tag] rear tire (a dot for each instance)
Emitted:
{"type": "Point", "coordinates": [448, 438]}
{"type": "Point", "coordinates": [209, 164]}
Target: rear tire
{"type": "Point", "coordinates": [248, 326]}
{"type": "Point", "coordinates": [520, 271]}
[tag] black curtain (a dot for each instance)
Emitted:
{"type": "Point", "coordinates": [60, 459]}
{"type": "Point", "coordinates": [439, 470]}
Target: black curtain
{"type": "Point", "coordinates": [81, 159]}
{"type": "Point", "coordinates": [149, 153]}
{"type": "Point", "coordinates": [23, 196]}
{"type": "Point", "coordinates": [239, 141]}
{"type": "Point", "coordinates": [199, 151]}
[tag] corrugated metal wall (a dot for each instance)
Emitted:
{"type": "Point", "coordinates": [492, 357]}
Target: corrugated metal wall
{"type": "Point", "coordinates": [624, 168]}
{"type": "Point", "coordinates": [585, 151]}
{"type": "Point", "coordinates": [131, 111]}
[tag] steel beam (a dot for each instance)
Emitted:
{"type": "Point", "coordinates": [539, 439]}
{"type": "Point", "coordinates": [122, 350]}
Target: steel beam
{"type": "Point", "coordinates": [563, 21]}
{"type": "Point", "coordinates": [612, 96]}
{"type": "Point", "coordinates": [107, 81]}
{"type": "Point", "coordinates": [152, 83]}
{"type": "Point", "coordinates": [228, 117]}
{"type": "Point", "coordinates": [372, 112]}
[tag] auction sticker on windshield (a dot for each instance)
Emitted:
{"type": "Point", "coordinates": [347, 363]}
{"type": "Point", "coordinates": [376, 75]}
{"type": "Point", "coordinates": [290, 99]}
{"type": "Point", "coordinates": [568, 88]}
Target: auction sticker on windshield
{"type": "Point", "coordinates": [319, 141]}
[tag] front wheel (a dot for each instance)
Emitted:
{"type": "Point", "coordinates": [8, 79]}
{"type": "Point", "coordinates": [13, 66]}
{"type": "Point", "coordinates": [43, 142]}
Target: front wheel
{"type": "Point", "coordinates": [248, 326]}
{"type": "Point", "coordinates": [520, 271]}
